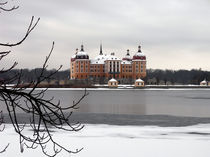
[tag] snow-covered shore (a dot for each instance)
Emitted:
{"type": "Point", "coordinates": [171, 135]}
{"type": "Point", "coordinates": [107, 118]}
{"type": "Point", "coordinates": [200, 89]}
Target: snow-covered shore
{"type": "Point", "coordinates": [123, 141]}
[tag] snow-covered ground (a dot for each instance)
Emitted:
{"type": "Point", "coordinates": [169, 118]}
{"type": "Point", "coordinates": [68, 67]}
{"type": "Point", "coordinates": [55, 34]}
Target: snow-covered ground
{"type": "Point", "coordinates": [123, 141]}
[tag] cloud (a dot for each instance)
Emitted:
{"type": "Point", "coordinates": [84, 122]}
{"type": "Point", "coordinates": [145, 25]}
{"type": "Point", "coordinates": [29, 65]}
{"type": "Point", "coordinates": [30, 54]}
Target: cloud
{"type": "Point", "coordinates": [164, 28]}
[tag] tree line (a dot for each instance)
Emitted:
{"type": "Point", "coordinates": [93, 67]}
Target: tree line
{"type": "Point", "coordinates": [154, 76]}
{"type": "Point", "coordinates": [182, 77]}
{"type": "Point", "coordinates": [30, 75]}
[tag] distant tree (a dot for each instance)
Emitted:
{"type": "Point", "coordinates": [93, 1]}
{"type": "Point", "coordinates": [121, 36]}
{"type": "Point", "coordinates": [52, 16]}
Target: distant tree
{"type": "Point", "coordinates": [178, 77]}
{"type": "Point", "coordinates": [44, 114]}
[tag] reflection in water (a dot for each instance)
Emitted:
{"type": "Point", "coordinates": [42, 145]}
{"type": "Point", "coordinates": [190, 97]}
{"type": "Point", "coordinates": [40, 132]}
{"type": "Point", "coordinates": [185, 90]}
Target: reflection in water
{"type": "Point", "coordinates": [193, 102]}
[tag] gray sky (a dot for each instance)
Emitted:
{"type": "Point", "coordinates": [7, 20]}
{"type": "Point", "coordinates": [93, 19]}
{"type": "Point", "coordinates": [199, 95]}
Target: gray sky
{"type": "Point", "coordinates": [173, 34]}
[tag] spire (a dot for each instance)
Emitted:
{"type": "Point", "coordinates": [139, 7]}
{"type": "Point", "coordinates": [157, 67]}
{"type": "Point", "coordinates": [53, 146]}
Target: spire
{"type": "Point", "coordinates": [101, 53]}
{"type": "Point", "coordinates": [139, 48]}
{"type": "Point", "coordinates": [128, 54]}
{"type": "Point", "coordinates": [82, 48]}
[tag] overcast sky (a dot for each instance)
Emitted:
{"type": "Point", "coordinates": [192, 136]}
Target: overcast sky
{"type": "Point", "coordinates": [174, 34]}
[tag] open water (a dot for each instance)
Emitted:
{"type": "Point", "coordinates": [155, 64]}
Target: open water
{"type": "Point", "coordinates": [173, 102]}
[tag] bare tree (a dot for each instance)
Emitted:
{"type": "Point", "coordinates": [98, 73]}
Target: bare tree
{"type": "Point", "coordinates": [44, 114]}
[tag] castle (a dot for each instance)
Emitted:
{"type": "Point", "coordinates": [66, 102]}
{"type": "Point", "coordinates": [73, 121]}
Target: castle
{"type": "Point", "coordinates": [104, 67]}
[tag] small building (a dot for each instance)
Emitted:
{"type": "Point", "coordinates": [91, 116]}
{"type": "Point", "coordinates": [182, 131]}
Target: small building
{"type": "Point", "coordinates": [204, 83]}
{"type": "Point", "coordinates": [113, 83]}
{"type": "Point", "coordinates": [139, 83]}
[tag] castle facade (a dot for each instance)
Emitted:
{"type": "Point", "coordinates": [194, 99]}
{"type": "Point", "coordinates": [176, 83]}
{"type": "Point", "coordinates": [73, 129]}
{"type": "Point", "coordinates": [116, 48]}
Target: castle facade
{"type": "Point", "coordinates": [104, 67]}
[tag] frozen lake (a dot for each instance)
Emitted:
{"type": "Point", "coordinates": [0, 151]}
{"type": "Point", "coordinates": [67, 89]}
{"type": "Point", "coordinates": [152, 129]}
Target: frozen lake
{"type": "Point", "coordinates": [174, 102]}
{"type": "Point", "coordinates": [177, 102]}
{"type": "Point", "coordinates": [125, 107]}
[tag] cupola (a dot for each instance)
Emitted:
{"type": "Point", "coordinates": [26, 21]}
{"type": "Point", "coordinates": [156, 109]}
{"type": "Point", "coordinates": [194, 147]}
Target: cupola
{"type": "Point", "coordinates": [127, 56]}
{"type": "Point", "coordinates": [82, 54]}
{"type": "Point", "coordinates": [139, 55]}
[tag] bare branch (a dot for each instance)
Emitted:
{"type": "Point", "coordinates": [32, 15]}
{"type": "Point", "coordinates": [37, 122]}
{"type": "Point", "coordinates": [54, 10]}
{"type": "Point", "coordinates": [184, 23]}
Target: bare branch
{"type": "Point", "coordinates": [44, 114]}
{"type": "Point", "coordinates": [3, 54]}
{"type": "Point", "coordinates": [10, 9]}
{"type": "Point", "coordinates": [3, 3]}
{"type": "Point", "coordinates": [2, 7]}
{"type": "Point", "coordinates": [31, 27]}
{"type": "Point", "coordinates": [5, 148]}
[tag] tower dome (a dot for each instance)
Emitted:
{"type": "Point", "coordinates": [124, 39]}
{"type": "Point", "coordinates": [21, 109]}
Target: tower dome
{"type": "Point", "coordinates": [82, 54]}
{"type": "Point", "coordinates": [127, 56]}
{"type": "Point", "coordinates": [139, 55]}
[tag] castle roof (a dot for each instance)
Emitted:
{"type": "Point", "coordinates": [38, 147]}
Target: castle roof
{"type": "Point", "coordinates": [127, 56]}
{"type": "Point", "coordinates": [100, 59]}
{"type": "Point", "coordinates": [81, 54]}
{"type": "Point", "coordinates": [204, 81]}
{"type": "Point", "coordinates": [126, 62]}
{"type": "Point", "coordinates": [112, 80]}
{"type": "Point", "coordinates": [112, 57]}
{"type": "Point", "coordinates": [139, 55]}
{"type": "Point", "coordinates": [139, 80]}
